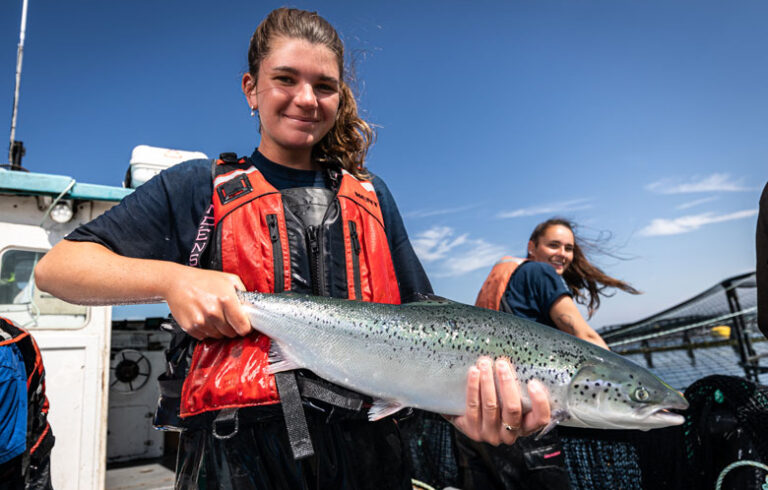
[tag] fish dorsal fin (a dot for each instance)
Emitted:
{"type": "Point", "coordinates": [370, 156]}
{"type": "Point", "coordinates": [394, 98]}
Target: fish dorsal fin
{"type": "Point", "coordinates": [426, 299]}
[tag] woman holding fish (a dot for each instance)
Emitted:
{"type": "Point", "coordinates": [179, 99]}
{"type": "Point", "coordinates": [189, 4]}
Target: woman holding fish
{"type": "Point", "coordinates": [541, 288]}
{"type": "Point", "coordinates": [300, 214]}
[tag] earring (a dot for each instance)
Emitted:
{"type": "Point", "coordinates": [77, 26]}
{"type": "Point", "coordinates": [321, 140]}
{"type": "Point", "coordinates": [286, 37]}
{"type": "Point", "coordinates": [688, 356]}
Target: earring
{"type": "Point", "coordinates": [253, 111]}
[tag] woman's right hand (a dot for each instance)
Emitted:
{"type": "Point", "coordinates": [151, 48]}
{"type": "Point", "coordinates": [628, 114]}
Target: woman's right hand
{"type": "Point", "coordinates": [205, 305]}
{"type": "Point", "coordinates": [494, 413]}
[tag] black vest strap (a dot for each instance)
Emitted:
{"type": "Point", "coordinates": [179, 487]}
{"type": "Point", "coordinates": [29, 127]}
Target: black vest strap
{"type": "Point", "coordinates": [293, 411]}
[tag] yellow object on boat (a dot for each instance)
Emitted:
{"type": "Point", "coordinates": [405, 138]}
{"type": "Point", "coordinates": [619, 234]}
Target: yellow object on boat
{"type": "Point", "coordinates": [722, 331]}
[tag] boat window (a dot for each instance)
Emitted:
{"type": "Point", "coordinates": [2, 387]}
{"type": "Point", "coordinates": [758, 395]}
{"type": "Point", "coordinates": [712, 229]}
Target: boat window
{"type": "Point", "coordinates": [25, 304]}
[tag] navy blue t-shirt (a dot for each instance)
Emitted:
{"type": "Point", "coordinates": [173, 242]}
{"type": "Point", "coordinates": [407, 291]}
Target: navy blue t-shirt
{"type": "Point", "coordinates": [161, 218]}
{"type": "Point", "coordinates": [531, 291]}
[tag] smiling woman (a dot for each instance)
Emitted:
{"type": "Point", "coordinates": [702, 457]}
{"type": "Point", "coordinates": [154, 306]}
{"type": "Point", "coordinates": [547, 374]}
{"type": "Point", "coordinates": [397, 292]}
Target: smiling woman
{"type": "Point", "coordinates": [300, 214]}
{"type": "Point", "coordinates": [541, 287]}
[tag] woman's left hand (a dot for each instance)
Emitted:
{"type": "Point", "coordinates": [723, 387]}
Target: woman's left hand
{"type": "Point", "coordinates": [498, 418]}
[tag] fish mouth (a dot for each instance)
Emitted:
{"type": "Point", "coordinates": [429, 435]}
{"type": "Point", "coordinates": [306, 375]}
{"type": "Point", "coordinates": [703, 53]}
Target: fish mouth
{"type": "Point", "coordinates": [655, 418]}
{"type": "Point", "coordinates": [666, 412]}
{"type": "Point", "coordinates": [662, 418]}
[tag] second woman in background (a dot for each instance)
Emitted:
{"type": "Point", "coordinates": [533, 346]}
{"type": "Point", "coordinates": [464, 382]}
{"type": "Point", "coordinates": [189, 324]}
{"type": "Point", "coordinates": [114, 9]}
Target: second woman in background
{"type": "Point", "coordinates": [542, 287]}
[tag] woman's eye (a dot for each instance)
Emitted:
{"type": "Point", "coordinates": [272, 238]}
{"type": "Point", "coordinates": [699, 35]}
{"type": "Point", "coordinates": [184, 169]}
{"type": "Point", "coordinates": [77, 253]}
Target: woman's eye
{"type": "Point", "coordinates": [327, 88]}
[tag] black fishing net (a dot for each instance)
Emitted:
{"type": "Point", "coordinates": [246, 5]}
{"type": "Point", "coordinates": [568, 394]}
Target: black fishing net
{"type": "Point", "coordinates": [433, 455]}
{"type": "Point", "coordinates": [727, 421]}
{"type": "Point", "coordinates": [623, 459]}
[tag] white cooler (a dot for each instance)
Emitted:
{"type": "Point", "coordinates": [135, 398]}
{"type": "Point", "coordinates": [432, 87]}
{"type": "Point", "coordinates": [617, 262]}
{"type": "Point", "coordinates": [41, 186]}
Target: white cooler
{"type": "Point", "coordinates": [148, 161]}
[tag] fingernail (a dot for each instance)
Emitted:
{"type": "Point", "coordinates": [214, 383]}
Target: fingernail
{"type": "Point", "coordinates": [504, 370]}
{"type": "Point", "coordinates": [485, 363]}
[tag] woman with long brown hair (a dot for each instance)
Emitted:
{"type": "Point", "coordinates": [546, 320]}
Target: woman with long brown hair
{"type": "Point", "coordinates": [542, 287]}
{"type": "Point", "coordinates": [302, 214]}
{"type": "Point", "coordinates": [557, 275]}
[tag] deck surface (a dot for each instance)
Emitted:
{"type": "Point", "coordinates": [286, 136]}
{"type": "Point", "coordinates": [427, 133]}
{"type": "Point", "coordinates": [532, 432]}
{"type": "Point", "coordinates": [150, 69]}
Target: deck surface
{"type": "Point", "coordinates": [152, 476]}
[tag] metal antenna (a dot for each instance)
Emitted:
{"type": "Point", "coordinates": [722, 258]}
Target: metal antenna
{"type": "Point", "coordinates": [16, 159]}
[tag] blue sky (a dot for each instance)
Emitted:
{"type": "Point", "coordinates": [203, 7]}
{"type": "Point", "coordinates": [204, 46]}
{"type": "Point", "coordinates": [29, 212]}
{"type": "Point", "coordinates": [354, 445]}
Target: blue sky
{"type": "Point", "coordinates": [646, 120]}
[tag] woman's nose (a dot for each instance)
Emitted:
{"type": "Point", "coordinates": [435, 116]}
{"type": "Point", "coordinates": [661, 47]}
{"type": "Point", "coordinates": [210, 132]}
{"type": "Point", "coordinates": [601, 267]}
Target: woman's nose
{"type": "Point", "coordinates": [305, 96]}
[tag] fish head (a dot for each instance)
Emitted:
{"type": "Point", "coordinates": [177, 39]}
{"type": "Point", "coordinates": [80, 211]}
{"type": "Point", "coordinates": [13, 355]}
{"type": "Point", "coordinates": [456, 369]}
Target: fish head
{"type": "Point", "coordinates": [619, 394]}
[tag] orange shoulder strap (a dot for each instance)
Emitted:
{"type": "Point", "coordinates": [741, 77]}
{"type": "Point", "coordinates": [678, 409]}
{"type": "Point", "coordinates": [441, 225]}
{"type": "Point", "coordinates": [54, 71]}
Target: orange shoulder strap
{"type": "Point", "coordinates": [496, 282]}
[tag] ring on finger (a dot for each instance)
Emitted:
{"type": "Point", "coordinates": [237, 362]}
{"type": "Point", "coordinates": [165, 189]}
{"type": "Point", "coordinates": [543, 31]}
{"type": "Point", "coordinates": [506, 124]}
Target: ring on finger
{"type": "Point", "coordinates": [509, 427]}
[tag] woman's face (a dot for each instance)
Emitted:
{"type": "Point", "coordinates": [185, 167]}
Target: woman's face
{"type": "Point", "coordinates": [296, 94]}
{"type": "Point", "coordinates": [555, 247]}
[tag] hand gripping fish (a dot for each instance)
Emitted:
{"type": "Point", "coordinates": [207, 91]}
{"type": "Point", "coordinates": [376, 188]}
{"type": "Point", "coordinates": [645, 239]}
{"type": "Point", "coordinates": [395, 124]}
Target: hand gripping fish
{"type": "Point", "coordinates": [419, 354]}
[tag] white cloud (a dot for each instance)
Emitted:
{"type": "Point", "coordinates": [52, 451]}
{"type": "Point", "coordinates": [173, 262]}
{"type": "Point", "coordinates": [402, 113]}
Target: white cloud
{"type": "Point", "coordinates": [711, 183]}
{"type": "Point", "coordinates": [436, 243]}
{"type": "Point", "coordinates": [447, 255]}
{"type": "Point", "coordinates": [686, 224]}
{"type": "Point", "coordinates": [691, 204]}
{"type": "Point", "coordinates": [438, 212]}
{"type": "Point", "coordinates": [552, 208]}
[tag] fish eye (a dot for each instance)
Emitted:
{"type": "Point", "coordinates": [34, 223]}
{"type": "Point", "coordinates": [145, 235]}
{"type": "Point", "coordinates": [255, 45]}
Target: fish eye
{"type": "Point", "coordinates": [641, 394]}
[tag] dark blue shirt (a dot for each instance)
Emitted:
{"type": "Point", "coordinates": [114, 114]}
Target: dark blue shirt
{"type": "Point", "coordinates": [531, 291]}
{"type": "Point", "coordinates": [161, 218]}
{"type": "Point", "coordinates": [13, 403]}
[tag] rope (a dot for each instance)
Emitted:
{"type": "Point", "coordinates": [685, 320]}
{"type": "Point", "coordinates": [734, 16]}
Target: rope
{"type": "Point", "coordinates": [56, 201]}
{"type": "Point", "coordinates": [686, 327]}
{"type": "Point", "coordinates": [737, 464]}
{"type": "Point", "coordinates": [421, 485]}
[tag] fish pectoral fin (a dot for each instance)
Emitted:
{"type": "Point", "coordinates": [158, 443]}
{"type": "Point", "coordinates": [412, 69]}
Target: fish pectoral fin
{"type": "Point", "coordinates": [278, 361]}
{"type": "Point", "coordinates": [382, 408]}
{"type": "Point", "coordinates": [557, 417]}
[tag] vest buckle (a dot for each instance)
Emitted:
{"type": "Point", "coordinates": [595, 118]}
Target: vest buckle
{"type": "Point", "coordinates": [226, 420]}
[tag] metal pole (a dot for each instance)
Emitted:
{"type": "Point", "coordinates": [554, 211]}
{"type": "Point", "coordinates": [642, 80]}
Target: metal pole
{"type": "Point", "coordinates": [19, 56]}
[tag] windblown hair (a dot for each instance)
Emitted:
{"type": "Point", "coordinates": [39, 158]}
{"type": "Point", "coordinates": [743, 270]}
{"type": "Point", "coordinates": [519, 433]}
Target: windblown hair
{"type": "Point", "coordinates": [350, 137]}
{"type": "Point", "coordinates": [585, 280]}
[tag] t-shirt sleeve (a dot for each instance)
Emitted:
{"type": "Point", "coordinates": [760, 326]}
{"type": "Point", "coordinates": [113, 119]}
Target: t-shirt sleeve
{"type": "Point", "coordinates": [545, 285]}
{"type": "Point", "coordinates": [410, 274]}
{"type": "Point", "coordinates": [532, 290]}
{"type": "Point", "coordinates": [159, 219]}
{"type": "Point", "coordinates": [13, 403]}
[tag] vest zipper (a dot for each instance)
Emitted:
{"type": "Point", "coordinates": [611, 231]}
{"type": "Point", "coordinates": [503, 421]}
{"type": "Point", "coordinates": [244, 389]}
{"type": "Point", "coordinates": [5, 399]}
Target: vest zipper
{"type": "Point", "coordinates": [315, 233]}
{"type": "Point", "coordinates": [277, 252]}
{"type": "Point", "coordinates": [355, 259]}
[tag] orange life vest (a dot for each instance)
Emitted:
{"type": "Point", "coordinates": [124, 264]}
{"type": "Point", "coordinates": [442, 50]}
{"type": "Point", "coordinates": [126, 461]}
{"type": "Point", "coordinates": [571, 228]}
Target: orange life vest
{"type": "Point", "coordinates": [250, 239]}
{"type": "Point", "coordinates": [496, 282]}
